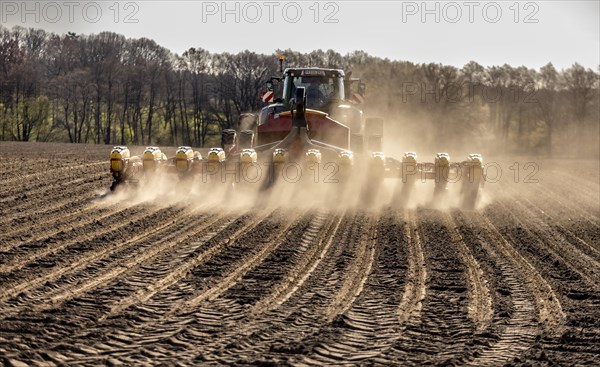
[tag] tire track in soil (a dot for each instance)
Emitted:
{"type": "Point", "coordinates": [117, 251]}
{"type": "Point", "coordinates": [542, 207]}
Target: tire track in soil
{"type": "Point", "coordinates": [416, 287]}
{"type": "Point", "coordinates": [515, 321]}
{"type": "Point", "coordinates": [147, 249]}
{"type": "Point", "coordinates": [274, 281]}
{"type": "Point", "coordinates": [480, 301]}
{"type": "Point", "coordinates": [299, 331]}
{"type": "Point", "coordinates": [241, 269]}
{"type": "Point", "coordinates": [88, 262]}
{"type": "Point", "coordinates": [219, 277]}
{"type": "Point", "coordinates": [25, 227]}
{"type": "Point", "coordinates": [445, 314]}
{"type": "Point", "coordinates": [294, 321]}
{"type": "Point", "coordinates": [372, 321]}
{"type": "Point", "coordinates": [75, 319]}
{"type": "Point", "coordinates": [551, 315]}
{"type": "Point", "coordinates": [45, 214]}
{"type": "Point", "coordinates": [45, 269]}
{"type": "Point", "coordinates": [579, 330]}
{"type": "Point", "coordinates": [256, 297]}
{"type": "Point", "coordinates": [377, 325]}
{"type": "Point", "coordinates": [246, 238]}
{"type": "Point", "coordinates": [326, 290]}
{"type": "Point", "coordinates": [177, 294]}
{"type": "Point", "coordinates": [315, 242]}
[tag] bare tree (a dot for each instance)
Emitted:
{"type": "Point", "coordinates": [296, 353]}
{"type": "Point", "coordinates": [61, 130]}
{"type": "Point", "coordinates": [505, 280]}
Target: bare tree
{"type": "Point", "coordinates": [580, 82]}
{"type": "Point", "coordinates": [547, 88]}
{"type": "Point", "coordinates": [105, 88]}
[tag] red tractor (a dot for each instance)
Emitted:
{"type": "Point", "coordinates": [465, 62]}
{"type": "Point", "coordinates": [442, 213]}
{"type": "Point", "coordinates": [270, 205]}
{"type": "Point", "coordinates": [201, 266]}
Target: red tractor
{"type": "Point", "coordinates": [318, 120]}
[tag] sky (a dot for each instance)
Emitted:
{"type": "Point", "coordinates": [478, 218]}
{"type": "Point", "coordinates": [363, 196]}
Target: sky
{"type": "Point", "coordinates": [530, 33]}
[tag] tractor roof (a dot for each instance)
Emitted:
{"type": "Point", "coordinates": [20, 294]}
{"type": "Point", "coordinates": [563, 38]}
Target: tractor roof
{"type": "Point", "coordinates": [314, 71]}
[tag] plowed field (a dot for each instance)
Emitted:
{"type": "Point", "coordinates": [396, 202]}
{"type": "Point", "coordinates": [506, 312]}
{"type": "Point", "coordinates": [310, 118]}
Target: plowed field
{"type": "Point", "coordinates": [87, 280]}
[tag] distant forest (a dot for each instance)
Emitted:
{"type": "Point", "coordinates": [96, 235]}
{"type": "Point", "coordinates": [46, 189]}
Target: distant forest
{"type": "Point", "coordinates": [108, 89]}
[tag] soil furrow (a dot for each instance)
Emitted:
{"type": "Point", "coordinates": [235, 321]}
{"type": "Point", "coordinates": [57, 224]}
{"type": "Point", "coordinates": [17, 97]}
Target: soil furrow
{"type": "Point", "coordinates": [55, 204]}
{"type": "Point", "coordinates": [71, 222]}
{"type": "Point", "coordinates": [29, 253]}
{"type": "Point", "coordinates": [515, 319]}
{"type": "Point", "coordinates": [416, 288]}
{"type": "Point", "coordinates": [242, 268]}
{"type": "Point", "coordinates": [314, 244]}
{"type": "Point", "coordinates": [583, 232]}
{"type": "Point", "coordinates": [551, 315]}
{"type": "Point", "coordinates": [579, 298]}
{"type": "Point", "coordinates": [45, 172]}
{"type": "Point", "coordinates": [87, 264]}
{"type": "Point", "coordinates": [45, 193]}
{"type": "Point", "coordinates": [587, 205]}
{"type": "Point", "coordinates": [371, 324]}
{"type": "Point", "coordinates": [155, 276]}
{"type": "Point", "coordinates": [444, 315]}
{"type": "Point", "coordinates": [556, 245]}
{"type": "Point", "coordinates": [146, 250]}
{"type": "Point", "coordinates": [209, 313]}
{"type": "Point", "coordinates": [183, 269]}
{"type": "Point", "coordinates": [125, 277]}
{"type": "Point", "coordinates": [277, 282]}
{"type": "Point", "coordinates": [226, 233]}
{"type": "Point", "coordinates": [325, 291]}
{"type": "Point", "coordinates": [585, 186]}
{"type": "Point", "coordinates": [41, 224]}
{"type": "Point", "coordinates": [560, 204]}
{"type": "Point", "coordinates": [480, 301]}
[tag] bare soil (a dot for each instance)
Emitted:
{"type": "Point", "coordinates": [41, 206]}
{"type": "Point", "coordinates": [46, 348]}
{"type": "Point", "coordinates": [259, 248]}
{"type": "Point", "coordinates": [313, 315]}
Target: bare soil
{"type": "Point", "coordinates": [88, 281]}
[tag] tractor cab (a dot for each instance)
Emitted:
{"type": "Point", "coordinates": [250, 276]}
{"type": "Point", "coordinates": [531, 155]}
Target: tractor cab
{"type": "Point", "coordinates": [324, 87]}
{"type": "Point", "coordinates": [332, 113]}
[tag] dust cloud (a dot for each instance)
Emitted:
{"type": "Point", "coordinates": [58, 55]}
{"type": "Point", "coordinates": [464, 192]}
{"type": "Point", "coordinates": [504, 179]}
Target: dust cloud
{"type": "Point", "coordinates": [290, 186]}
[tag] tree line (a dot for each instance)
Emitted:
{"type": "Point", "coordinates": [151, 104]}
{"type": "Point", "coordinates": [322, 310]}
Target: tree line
{"type": "Point", "coordinates": [108, 89]}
